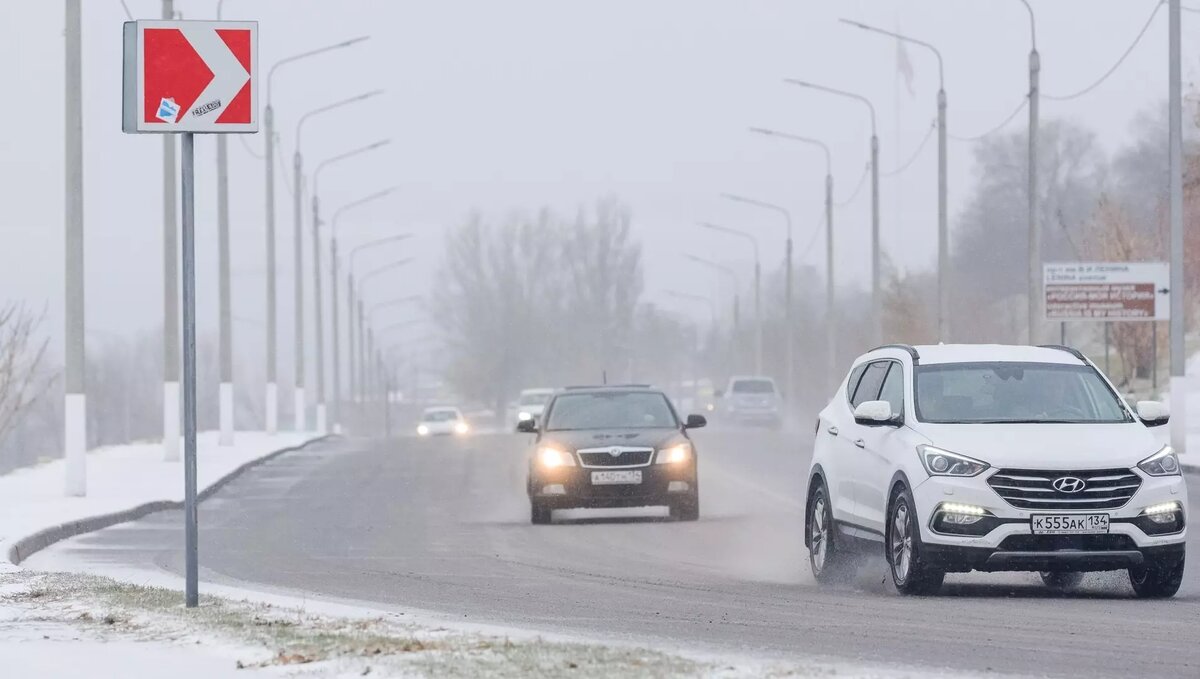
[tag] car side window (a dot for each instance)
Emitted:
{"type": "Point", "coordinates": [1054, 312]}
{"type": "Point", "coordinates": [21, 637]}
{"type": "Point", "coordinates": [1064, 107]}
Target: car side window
{"type": "Point", "coordinates": [852, 382]}
{"type": "Point", "coordinates": [872, 380]}
{"type": "Point", "coordinates": [893, 388]}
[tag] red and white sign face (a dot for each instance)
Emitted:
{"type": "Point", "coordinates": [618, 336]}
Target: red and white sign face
{"type": "Point", "coordinates": [191, 76]}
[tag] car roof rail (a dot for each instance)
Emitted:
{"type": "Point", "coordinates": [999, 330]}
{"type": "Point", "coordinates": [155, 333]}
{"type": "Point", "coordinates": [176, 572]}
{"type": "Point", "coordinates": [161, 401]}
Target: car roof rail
{"type": "Point", "coordinates": [607, 386]}
{"type": "Point", "coordinates": [1070, 350]}
{"type": "Point", "coordinates": [912, 351]}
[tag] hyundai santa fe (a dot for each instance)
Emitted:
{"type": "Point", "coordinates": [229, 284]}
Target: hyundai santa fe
{"type": "Point", "coordinates": [612, 446]}
{"type": "Point", "coordinates": [955, 458]}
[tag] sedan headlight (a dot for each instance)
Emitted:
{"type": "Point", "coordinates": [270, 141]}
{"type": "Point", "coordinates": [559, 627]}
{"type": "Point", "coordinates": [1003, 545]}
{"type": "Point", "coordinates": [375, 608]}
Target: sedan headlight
{"type": "Point", "coordinates": [461, 428]}
{"type": "Point", "coordinates": [553, 457]}
{"type": "Point", "coordinates": [676, 454]}
{"type": "Point", "coordinates": [1163, 463]}
{"type": "Point", "coordinates": [938, 462]}
{"type": "Point", "coordinates": [422, 430]}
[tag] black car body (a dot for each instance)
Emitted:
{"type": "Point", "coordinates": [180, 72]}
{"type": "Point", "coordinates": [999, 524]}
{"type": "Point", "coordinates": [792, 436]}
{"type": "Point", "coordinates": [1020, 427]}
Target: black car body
{"type": "Point", "coordinates": [629, 448]}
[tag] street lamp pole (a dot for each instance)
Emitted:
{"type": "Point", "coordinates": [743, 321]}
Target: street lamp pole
{"type": "Point", "coordinates": [943, 273]}
{"type": "Point", "coordinates": [788, 311]}
{"type": "Point", "coordinates": [876, 297]}
{"type": "Point", "coordinates": [830, 322]}
{"type": "Point", "coordinates": [1178, 391]}
{"type": "Point", "coordinates": [736, 285]}
{"type": "Point", "coordinates": [301, 403]}
{"type": "Point", "coordinates": [355, 352]}
{"type": "Point", "coordinates": [1035, 234]}
{"type": "Point", "coordinates": [758, 317]}
{"type": "Point", "coordinates": [272, 405]}
{"type": "Point", "coordinates": [363, 330]}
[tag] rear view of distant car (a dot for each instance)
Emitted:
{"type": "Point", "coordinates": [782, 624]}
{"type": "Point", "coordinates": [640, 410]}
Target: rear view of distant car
{"type": "Point", "coordinates": [753, 400]}
{"type": "Point", "coordinates": [443, 421]}
{"type": "Point", "coordinates": [531, 404]}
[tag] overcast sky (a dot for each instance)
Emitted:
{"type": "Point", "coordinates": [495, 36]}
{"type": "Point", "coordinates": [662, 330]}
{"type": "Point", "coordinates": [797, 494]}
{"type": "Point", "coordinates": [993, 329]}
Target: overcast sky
{"type": "Point", "coordinates": [524, 103]}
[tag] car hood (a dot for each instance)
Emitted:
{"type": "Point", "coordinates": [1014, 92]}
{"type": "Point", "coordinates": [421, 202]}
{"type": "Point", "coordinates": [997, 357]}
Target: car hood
{"type": "Point", "coordinates": [600, 438]}
{"type": "Point", "coordinates": [1046, 446]}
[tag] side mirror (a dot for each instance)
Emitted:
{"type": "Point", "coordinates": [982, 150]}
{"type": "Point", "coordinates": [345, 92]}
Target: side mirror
{"type": "Point", "coordinates": [875, 413]}
{"type": "Point", "coordinates": [695, 422]}
{"type": "Point", "coordinates": [527, 426]}
{"type": "Point", "coordinates": [1153, 413]}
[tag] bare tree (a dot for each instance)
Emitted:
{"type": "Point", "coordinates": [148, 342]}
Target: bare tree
{"type": "Point", "coordinates": [21, 356]}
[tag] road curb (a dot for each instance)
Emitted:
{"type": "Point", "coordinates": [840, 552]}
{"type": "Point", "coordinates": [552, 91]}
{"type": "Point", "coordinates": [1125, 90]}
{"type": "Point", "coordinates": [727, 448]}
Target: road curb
{"type": "Point", "coordinates": [28, 546]}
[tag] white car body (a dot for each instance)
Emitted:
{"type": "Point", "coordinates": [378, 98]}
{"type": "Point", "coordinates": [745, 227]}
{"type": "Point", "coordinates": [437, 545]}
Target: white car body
{"type": "Point", "coordinates": [442, 421]}
{"type": "Point", "coordinates": [863, 464]}
{"type": "Point", "coordinates": [532, 403]}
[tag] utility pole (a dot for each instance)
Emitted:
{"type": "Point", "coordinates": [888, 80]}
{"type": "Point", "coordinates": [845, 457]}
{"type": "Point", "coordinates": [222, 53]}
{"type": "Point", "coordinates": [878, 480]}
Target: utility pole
{"type": "Point", "coordinates": [75, 403]}
{"type": "Point", "coordinates": [1175, 153]}
{"type": "Point", "coordinates": [1035, 235]}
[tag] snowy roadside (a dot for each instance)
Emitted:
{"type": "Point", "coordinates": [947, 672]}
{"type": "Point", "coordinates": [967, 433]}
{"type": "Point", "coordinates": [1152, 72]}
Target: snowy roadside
{"type": "Point", "coordinates": [120, 479]}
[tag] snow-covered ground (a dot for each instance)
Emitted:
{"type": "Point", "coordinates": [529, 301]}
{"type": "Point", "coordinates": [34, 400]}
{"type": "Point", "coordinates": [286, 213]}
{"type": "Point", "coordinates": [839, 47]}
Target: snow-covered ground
{"type": "Point", "coordinates": [119, 478]}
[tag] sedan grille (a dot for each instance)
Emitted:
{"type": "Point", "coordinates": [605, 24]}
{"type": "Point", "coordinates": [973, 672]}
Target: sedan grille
{"type": "Point", "coordinates": [1035, 489]}
{"type": "Point", "coordinates": [615, 456]}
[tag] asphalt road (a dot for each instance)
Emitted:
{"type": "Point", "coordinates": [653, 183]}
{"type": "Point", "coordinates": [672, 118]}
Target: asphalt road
{"type": "Point", "coordinates": [443, 525]}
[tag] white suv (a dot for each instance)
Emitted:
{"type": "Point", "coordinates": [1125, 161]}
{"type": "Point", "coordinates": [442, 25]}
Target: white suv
{"type": "Point", "coordinates": [993, 458]}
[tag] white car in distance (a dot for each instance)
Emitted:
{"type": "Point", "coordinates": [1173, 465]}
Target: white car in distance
{"type": "Point", "coordinates": [532, 403]}
{"type": "Point", "coordinates": [442, 421]}
{"type": "Point", "coordinates": [954, 458]}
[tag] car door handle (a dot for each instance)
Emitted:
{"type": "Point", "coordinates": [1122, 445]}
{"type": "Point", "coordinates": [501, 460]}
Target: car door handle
{"type": "Point", "coordinates": [833, 431]}
{"type": "Point", "coordinates": [860, 443]}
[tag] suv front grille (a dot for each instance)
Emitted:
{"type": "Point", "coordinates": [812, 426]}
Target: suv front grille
{"type": "Point", "coordinates": [1033, 489]}
{"type": "Point", "coordinates": [625, 457]}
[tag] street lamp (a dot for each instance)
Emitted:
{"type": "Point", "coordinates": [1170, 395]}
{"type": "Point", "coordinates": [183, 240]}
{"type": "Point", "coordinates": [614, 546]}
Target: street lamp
{"type": "Point", "coordinates": [333, 266]}
{"type": "Point", "coordinates": [729, 272]}
{"type": "Point", "coordinates": [876, 299]}
{"type": "Point", "coordinates": [830, 325]}
{"type": "Point", "coordinates": [366, 337]}
{"type": "Point", "coordinates": [943, 273]}
{"type": "Point", "coordinates": [712, 307]}
{"type": "Point", "coordinates": [350, 300]}
{"type": "Point", "coordinates": [788, 319]}
{"type": "Point", "coordinates": [272, 406]}
{"type": "Point", "coordinates": [758, 317]}
{"type": "Point", "coordinates": [297, 196]}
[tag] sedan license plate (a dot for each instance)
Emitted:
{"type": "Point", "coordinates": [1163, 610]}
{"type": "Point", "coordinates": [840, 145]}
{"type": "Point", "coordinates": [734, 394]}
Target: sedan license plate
{"type": "Point", "coordinates": [616, 477]}
{"type": "Point", "coordinates": [1070, 524]}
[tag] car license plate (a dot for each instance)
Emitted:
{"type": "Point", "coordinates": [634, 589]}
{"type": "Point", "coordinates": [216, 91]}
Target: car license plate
{"type": "Point", "coordinates": [1070, 524]}
{"type": "Point", "coordinates": [616, 477]}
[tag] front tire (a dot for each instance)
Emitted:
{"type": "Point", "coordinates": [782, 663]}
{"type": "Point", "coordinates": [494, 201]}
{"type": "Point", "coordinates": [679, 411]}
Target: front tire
{"type": "Point", "coordinates": [828, 558]}
{"type": "Point", "coordinates": [911, 573]}
{"type": "Point", "coordinates": [1061, 581]}
{"type": "Point", "coordinates": [539, 514]}
{"type": "Point", "coordinates": [1157, 579]}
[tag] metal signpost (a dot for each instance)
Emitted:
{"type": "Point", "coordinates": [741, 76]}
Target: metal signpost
{"type": "Point", "coordinates": [188, 77]}
{"type": "Point", "coordinates": [1106, 291]}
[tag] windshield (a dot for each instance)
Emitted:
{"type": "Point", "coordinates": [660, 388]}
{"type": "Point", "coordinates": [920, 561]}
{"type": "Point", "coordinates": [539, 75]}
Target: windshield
{"type": "Point", "coordinates": [439, 415]}
{"type": "Point", "coordinates": [753, 387]}
{"type": "Point", "coordinates": [1015, 392]}
{"type": "Point", "coordinates": [534, 399]}
{"type": "Point", "coordinates": [611, 410]}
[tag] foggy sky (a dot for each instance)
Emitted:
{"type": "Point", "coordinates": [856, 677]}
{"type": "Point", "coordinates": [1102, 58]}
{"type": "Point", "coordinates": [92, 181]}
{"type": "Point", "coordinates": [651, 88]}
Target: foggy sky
{"type": "Point", "coordinates": [523, 103]}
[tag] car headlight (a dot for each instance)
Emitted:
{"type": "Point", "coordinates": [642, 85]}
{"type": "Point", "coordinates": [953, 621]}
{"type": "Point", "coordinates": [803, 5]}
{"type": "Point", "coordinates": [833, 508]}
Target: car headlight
{"type": "Point", "coordinates": [461, 428]}
{"type": "Point", "coordinates": [938, 462]}
{"type": "Point", "coordinates": [1163, 463]}
{"type": "Point", "coordinates": [523, 416]}
{"type": "Point", "coordinates": [553, 457]}
{"type": "Point", "coordinates": [675, 454]}
{"type": "Point", "coordinates": [422, 430]}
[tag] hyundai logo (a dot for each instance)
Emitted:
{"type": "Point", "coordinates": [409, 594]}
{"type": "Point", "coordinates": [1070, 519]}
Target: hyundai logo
{"type": "Point", "coordinates": [614, 451]}
{"type": "Point", "coordinates": [1069, 484]}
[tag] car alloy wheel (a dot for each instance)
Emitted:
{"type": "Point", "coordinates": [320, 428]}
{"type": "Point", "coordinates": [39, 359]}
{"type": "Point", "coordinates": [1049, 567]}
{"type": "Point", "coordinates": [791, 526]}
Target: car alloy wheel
{"type": "Point", "coordinates": [902, 543]}
{"type": "Point", "coordinates": [819, 534]}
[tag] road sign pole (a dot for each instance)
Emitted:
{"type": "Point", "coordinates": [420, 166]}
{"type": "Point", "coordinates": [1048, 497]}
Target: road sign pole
{"type": "Point", "coordinates": [191, 530]}
{"type": "Point", "coordinates": [1175, 153]}
{"type": "Point", "coordinates": [74, 406]}
{"type": "Point", "coordinates": [170, 291]}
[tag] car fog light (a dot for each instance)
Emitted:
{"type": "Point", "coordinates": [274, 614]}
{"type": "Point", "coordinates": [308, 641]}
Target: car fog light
{"type": "Point", "coordinates": [960, 515]}
{"type": "Point", "coordinates": [1162, 513]}
{"type": "Point", "coordinates": [677, 487]}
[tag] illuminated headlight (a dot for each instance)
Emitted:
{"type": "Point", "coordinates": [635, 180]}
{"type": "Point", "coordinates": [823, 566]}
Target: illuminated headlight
{"type": "Point", "coordinates": [938, 462]}
{"type": "Point", "coordinates": [422, 430]}
{"type": "Point", "coordinates": [674, 455]}
{"type": "Point", "coordinates": [524, 416]}
{"type": "Point", "coordinates": [553, 457]}
{"type": "Point", "coordinates": [711, 407]}
{"type": "Point", "coordinates": [1163, 463]}
{"type": "Point", "coordinates": [961, 515]}
{"type": "Point", "coordinates": [461, 428]}
{"type": "Point", "coordinates": [1163, 513]}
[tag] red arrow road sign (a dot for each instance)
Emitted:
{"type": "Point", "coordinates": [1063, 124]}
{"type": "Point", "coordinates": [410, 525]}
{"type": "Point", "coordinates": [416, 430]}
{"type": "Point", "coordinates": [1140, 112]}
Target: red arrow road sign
{"type": "Point", "coordinates": [191, 76]}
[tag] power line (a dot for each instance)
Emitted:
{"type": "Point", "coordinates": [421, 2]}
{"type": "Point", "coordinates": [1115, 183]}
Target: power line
{"type": "Point", "coordinates": [1110, 71]}
{"type": "Point", "coordinates": [862, 181]}
{"type": "Point", "coordinates": [916, 154]}
{"type": "Point", "coordinates": [1020, 107]}
{"type": "Point", "coordinates": [246, 145]}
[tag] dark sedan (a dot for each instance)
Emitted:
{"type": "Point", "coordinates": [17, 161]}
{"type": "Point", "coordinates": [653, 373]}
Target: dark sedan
{"type": "Point", "coordinates": [601, 447]}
